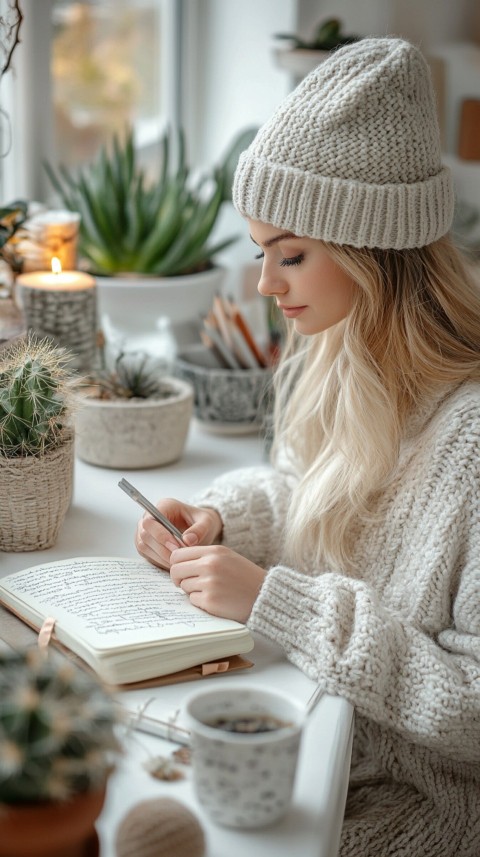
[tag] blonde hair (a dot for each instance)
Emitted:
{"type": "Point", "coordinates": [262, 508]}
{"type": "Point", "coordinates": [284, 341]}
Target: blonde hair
{"type": "Point", "coordinates": [343, 397]}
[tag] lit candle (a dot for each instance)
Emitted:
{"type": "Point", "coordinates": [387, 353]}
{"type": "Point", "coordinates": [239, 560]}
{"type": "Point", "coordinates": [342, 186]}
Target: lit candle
{"type": "Point", "coordinates": [63, 306]}
{"type": "Point", "coordinates": [56, 279]}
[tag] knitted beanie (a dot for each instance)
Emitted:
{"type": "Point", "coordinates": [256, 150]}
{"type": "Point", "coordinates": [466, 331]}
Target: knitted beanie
{"type": "Point", "coordinates": [352, 155]}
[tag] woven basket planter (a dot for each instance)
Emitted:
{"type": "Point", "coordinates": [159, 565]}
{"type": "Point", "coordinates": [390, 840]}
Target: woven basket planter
{"type": "Point", "coordinates": [35, 493]}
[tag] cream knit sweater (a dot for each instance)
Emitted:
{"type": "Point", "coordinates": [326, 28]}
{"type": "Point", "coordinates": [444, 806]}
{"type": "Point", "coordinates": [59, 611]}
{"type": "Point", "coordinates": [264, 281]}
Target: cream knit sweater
{"type": "Point", "coordinates": [400, 638]}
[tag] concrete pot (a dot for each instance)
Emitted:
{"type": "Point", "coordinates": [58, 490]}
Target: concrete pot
{"type": "Point", "coordinates": [134, 434]}
{"type": "Point", "coordinates": [227, 401]}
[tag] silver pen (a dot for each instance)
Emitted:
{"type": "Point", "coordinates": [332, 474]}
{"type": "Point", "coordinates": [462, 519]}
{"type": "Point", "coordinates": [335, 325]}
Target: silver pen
{"type": "Point", "coordinates": [142, 501]}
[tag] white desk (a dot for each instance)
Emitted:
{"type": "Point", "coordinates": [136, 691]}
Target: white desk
{"type": "Point", "coordinates": [102, 520]}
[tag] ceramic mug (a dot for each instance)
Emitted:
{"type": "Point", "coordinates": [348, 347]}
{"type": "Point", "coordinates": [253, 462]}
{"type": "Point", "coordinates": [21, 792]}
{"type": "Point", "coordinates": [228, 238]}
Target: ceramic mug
{"type": "Point", "coordinates": [244, 779]}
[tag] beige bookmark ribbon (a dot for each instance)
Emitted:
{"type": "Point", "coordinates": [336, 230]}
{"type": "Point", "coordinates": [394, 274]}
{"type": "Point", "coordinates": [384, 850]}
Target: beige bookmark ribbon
{"type": "Point", "coordinates": [211, 669]}
{"type": "Point", "coordinates": [45, 633]}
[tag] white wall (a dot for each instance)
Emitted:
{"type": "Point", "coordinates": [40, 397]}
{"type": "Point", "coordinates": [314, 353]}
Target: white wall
{"type": "Point", "coordinates": [234, 81]}
{"type": "Point", "coordinates": [425, 22]}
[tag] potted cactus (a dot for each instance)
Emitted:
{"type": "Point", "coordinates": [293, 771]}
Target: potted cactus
{"type": "Point", "coordinates": [133, 413]}
{"type": "Point", "coordinates": [37, 399]}
{"type": "Point", "coordinates": [149, 241]}
{"type": "Point", "coordinates": [57, 748]}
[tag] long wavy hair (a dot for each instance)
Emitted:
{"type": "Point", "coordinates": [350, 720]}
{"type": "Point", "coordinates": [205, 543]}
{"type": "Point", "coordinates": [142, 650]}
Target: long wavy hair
{"type": "Point", "coordinates": [343, 397]}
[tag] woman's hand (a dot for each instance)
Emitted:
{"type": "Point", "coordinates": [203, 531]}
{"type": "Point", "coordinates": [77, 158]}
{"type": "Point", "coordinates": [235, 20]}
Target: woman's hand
{"type": "Point", "coordinates": [217, 579]}
{"type": "Point", "coordinates": [199, 527]}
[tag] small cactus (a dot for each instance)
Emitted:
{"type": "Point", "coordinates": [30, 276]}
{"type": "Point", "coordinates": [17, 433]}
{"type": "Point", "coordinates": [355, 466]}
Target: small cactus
{"type": "Point", "coordinates": [57, 729]}
{"type": "Point", "coordinates": [36, 397]}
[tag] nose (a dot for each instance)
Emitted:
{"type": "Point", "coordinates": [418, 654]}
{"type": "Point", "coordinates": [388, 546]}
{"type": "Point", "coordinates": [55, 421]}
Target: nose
{"type": "Point", "coordinates": [271, 281]}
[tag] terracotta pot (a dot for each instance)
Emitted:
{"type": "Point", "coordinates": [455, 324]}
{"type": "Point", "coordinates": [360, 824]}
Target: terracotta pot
{"type": "Point", "coordinates": [51, 829]}
{"type": "Point", "coordinates": [135, 433]}
{"type": "Point", "coordinates": [35, 493]}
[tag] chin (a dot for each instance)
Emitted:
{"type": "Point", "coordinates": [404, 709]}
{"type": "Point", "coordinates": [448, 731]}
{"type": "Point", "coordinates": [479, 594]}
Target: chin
{"type": "Point", "coordinates": [307, 329]}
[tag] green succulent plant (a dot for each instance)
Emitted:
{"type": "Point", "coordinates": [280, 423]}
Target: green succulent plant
{"type": "Point", "coordinates": [37, 397]}
{"type": "Point", "coordinates": [130, 375]}
{"type": "Point", "coordinates": [57, 729]}
{"type": "Point", "coordinates": [132, 225]}
{"type": "Point", "coordinates": [327, 36]}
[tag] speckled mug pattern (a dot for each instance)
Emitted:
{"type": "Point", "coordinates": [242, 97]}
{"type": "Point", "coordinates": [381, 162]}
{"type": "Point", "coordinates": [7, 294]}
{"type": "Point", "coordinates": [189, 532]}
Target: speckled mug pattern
{"type": "Point", "coordinates": [244, 780]}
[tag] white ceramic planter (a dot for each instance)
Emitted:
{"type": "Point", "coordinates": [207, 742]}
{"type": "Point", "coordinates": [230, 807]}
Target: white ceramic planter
{"type": "Point", "coordinates": [134, 433]}
{"type": "Point", "coordinates": [141, 312]}
{"type": "Point", "coordinates": [299, 62]}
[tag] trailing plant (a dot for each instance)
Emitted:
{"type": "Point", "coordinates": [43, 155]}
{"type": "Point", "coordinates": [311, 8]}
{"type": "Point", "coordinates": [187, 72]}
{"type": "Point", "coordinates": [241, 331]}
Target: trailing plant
{"type": "Point", "coordinates": [327, 36]}
{"type": "Point", "coordinates": [37, 397]}
{"type": "Point", "coordinates": [57, 729]}
{"type": "Point", "coordinates": [132, 375]}
{"type": "Point", "coordinates": [132, 225]}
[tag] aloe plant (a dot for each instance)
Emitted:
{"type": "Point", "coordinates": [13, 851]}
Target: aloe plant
{"type": "Point", "coordinates": [57, 729]}
{"type": "Point", "coordinates": [36, 397]}
{"type": "Point", "coordinates": [130, 224]}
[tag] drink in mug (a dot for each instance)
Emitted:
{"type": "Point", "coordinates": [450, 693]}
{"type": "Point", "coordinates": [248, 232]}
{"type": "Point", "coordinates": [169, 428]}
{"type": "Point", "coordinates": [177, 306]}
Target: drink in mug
{"type": "Point", "coordinates": [245, 743]}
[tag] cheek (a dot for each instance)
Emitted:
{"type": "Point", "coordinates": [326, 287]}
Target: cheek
{"type": "Point", "coordinates": [330, 301]}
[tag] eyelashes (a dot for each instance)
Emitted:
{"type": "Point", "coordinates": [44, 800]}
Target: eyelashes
{"type": "Point", "coordinates": [292, 260]}
{"type": "Point", "coordinates": [287, 261]}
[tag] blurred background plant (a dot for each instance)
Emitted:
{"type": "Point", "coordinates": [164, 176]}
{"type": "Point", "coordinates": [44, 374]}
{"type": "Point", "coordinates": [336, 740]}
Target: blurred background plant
{"type": "Point", "coordinates": [57, 729]}
{"type": "Point", "coordinates": [326, 36]}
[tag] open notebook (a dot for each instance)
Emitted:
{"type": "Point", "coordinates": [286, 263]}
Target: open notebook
{"type": "Point", "coordinates": [123, 617]}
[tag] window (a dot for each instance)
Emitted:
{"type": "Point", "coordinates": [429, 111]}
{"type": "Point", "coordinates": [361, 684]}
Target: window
{"type": "Point", "coordinates": [107, 73]}
{"type": "Point", "coordinates": [86, 69]}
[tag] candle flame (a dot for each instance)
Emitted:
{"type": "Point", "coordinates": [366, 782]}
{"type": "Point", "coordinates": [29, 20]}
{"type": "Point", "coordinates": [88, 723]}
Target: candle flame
{"type": "Point", "coordinates": [56, 265]}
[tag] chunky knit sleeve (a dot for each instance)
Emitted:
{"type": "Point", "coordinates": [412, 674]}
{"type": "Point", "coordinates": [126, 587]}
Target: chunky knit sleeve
{"type": "Point", "coordinates": [401, 638]}
{"type": "Point", "coordinates": [252, 503]}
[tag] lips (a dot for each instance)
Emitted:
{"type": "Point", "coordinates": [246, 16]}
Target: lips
{"type": "Point", "coordinates": [291, 311]}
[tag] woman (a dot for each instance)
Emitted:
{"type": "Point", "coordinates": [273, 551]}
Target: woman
{"type": "Point", "coordinates": [358, 551]}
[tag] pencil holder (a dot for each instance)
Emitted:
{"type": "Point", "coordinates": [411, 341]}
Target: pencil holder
{"type": "Point", "coordinates": [226, 401]}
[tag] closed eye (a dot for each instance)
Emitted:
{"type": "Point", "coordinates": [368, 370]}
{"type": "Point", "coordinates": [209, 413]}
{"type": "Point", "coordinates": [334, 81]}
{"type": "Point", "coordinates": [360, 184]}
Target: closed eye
{"type": "Point", "coordinates": [292, 260]}
{"type": "Point", "coordinates": [289, 260]}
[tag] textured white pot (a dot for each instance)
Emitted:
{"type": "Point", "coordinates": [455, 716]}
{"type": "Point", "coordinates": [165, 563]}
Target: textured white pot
{"type": "Point", "coordinates": [299, 62]}
{"type": "Point", "coordinates": [135, 433]}
{"type": "Point", "coordinates": [141, 312]}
